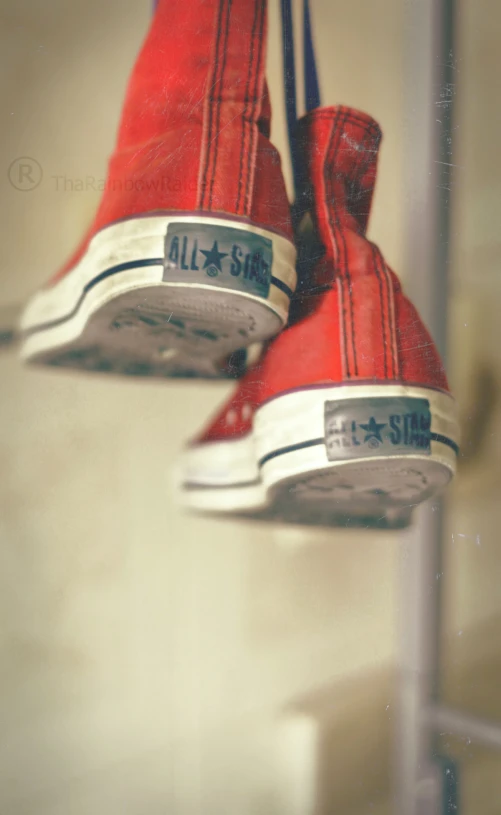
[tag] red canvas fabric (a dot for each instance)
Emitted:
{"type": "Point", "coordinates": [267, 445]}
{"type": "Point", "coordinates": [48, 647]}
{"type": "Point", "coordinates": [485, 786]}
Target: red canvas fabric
{"type": "Point", "coordinates": [194, 132]}
{"type": "Point", "coordinates": [352, 323]}
{"type": "Point", "coordinates": [234, 418]}
{"type": "Point", "coordinates": [363, 329]}
{"type": "Point", "coordinates": [339, 147]}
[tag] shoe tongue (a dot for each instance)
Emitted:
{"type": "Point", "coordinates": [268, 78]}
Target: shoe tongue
{"type": "Point", "coordinates": [339, 146]}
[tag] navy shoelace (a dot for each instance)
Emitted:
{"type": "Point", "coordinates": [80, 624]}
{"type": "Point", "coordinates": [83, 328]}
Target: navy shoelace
{"type": "Point", "coordinates": [311, 84]}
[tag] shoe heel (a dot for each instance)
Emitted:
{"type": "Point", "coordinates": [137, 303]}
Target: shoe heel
{"type": "Point", "coordinates": [164, 296]}
{"type": "Point", "coordinates": [365, 453]}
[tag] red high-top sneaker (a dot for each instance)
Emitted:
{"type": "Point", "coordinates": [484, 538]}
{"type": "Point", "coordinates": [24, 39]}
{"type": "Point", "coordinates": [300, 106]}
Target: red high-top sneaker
{"type": "Point", "coordinates": [351, 413]}
{"type": "Point", "coordinates": [191, 253]}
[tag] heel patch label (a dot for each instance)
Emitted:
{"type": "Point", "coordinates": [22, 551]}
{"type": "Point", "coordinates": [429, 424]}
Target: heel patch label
{"type": "Point", "coordinates": [218, 255]}
{"type": "Point", "coordinates": [377, 427]}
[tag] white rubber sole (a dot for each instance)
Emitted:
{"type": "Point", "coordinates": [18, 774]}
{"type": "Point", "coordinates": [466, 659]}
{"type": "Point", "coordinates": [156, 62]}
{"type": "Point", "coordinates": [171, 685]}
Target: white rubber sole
{"type": "Point", "coordinates": [309, 459]}
{"type": "Point", "coordinates": [222, 477]}
{"type": "Point", "coordinates": [163, 296]}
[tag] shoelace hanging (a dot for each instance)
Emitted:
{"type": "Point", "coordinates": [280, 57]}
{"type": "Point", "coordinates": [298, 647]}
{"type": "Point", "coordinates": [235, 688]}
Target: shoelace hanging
{"type": "Point", "coordinates": [311, 85]}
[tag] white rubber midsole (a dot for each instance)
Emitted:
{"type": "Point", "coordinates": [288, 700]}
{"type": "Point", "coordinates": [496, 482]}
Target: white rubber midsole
{"type": "Point", "coordinates": [291, 420]}
{"type": "Point", "coordinates": [221, 463]}
{"type": "Point", "coordinates": [297, 418]}
{"type": "Point", "coordinates": [222, 476]}
{"type": "Point", "coordinates": [228, 499]}
{"type": "Point", "coordinates": [140, 239]}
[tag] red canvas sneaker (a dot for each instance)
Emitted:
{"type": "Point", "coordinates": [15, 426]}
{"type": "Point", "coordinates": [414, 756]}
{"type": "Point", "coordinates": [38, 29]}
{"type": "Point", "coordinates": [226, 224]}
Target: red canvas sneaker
{"type": "Point", "coordinates": [351, 413]}
{"type": "Point", "coordinates": [191, 254]}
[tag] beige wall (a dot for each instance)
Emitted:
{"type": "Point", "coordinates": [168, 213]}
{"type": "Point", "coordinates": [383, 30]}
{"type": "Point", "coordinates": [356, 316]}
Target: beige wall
{"type": "Point", "coordinates": [145, 654]}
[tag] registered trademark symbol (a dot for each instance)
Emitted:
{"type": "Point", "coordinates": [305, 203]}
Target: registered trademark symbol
{"type": "Point", "coordinates": [212, 271]}
{"type": "Point", "coordinates": [25, 174]}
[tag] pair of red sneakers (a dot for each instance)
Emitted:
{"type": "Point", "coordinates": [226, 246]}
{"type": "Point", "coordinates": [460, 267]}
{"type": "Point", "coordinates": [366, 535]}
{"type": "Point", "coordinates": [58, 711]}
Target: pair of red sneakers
{"type": "Point", "coordinates": [192, 257]}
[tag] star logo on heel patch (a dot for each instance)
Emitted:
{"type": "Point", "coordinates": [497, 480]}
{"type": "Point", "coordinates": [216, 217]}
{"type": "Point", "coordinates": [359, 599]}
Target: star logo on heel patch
{"type": "Point", "coordinates": [373, 431]}
{"type": "Point", "coordinates": [213, 257]}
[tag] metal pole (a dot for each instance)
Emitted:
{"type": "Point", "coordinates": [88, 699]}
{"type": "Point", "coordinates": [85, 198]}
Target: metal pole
{"type": "Point", "coordinates": [428, 88]}
{"type": "Point", "coordinates": [417, 786]}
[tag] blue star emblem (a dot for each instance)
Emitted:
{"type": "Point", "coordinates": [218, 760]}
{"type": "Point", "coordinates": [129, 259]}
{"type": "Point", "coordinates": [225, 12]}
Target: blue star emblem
{"type": "Point", "coordinates": [213, 257]}
{"type": "Point", "coordinates": [373, 430]}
